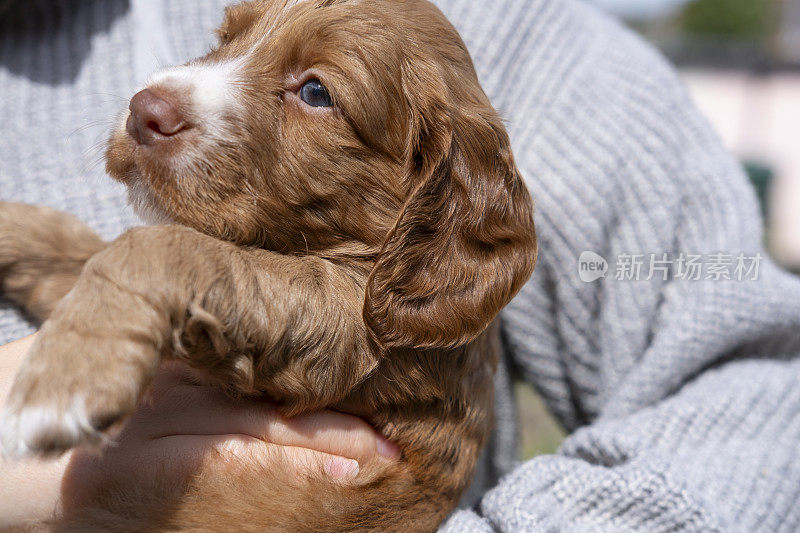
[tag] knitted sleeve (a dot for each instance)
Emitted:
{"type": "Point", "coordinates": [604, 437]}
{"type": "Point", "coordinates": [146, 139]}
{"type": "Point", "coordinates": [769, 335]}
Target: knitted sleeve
{"type": "Point", "coordinates": [670, 349]}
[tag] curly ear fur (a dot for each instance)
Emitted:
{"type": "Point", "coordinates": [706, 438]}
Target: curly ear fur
{"type": "Point", "coordinates": [465, 241]}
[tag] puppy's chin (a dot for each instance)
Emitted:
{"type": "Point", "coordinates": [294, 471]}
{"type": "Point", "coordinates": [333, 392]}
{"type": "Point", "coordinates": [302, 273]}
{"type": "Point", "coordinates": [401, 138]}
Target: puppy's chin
{"type": "Point", "coordinates": [121, 164]}
{"type": "Point", "coordinates": [146, 205]}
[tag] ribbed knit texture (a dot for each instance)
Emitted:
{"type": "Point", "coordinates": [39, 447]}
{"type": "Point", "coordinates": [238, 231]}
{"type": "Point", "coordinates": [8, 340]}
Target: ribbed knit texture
{"type": "Point", "coordinates": [683, 397]}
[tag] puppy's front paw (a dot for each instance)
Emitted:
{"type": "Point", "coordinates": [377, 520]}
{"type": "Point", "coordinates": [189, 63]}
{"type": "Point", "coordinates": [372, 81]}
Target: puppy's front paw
{"type": "Point", "coordinates": [70, 391]}
{"type": "Point", "coordinates": [46, 429]}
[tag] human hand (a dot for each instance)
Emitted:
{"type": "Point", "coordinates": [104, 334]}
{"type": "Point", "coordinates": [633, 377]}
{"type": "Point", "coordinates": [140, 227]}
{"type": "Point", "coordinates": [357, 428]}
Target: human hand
{"type": "Point", "coordinates": [182, 421]}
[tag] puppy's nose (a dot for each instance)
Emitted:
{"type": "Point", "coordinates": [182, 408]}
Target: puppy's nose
{"type": "Point", "coordinates": [153, 118]}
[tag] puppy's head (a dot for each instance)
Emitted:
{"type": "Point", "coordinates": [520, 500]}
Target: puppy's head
{"type": "Point", "coordinates": [342, 127]}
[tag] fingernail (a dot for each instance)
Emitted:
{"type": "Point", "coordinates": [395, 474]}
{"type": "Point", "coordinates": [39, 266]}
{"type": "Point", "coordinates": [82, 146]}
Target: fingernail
{"type": "Point", "coordinates": [388, 449]}
{"type": "Point", "coordinates": [341, 469]}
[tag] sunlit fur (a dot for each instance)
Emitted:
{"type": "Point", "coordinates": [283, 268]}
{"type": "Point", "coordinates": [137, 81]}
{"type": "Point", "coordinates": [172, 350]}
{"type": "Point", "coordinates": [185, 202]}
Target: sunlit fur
{"type": "Point", "coordinates": [353, 258]}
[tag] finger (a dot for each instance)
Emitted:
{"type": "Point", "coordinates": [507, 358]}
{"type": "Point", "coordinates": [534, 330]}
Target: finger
{"type": "Point", "coordinates": [303, 462]}
{"type": "Point", "coordinates": [206, 411]}
{"type": "Point", "coordinates": [341, 434]}
{"type": "Point", "coordinates": [179, 408]}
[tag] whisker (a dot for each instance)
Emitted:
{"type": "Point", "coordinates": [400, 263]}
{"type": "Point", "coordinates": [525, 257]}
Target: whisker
{"type": "Point", "coordinates": [92, 124]}
{"type": "Point", "coordinates": [116, 96]}
{"type": "Point", "coordinates": [93, 156]}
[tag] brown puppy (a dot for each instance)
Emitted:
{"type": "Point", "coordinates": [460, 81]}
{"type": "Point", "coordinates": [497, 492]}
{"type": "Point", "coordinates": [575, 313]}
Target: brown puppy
{"type": "Point", "coordinates": [345, 223]}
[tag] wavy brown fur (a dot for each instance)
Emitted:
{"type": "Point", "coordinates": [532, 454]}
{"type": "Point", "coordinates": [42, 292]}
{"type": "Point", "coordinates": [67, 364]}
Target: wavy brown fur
{"type": "Point", "coordinates": [353, 259]}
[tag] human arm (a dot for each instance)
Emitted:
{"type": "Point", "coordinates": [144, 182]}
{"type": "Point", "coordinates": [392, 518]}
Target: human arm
{"type": "Point", "coordinates": [720, 456]}
{"type": "Point", "coordinates": [29, 490]}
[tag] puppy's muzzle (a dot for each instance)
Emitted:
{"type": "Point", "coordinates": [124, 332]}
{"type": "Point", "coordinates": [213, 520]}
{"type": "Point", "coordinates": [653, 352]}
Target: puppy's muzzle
{"type": "Point", "coordinates": [153, 118]}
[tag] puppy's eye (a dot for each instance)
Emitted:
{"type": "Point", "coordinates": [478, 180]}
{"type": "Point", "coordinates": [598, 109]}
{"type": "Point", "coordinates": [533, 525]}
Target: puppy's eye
{"type": "Point", "coordinates": [315, 94]}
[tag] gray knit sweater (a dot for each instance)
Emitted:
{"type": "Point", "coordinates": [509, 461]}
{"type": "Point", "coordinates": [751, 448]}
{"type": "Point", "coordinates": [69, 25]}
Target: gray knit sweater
{"type": "Point", "coordinates": [682, 395]}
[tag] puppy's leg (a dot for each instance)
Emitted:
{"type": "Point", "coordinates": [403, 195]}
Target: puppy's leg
{"type": "Point", "coordinates": [252, 319]}
{"type": "Point", "coordinates": [42, 253]}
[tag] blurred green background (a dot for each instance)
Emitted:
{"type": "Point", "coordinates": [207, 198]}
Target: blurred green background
{"type": "Point", "coordinates": [740, 19]}
{"type": "Point", "coordinates": [539, 432]}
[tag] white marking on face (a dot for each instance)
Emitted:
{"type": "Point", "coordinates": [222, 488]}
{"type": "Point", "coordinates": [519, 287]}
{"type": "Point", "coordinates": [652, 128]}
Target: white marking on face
{"type": "Point", "coordinates": [212, 88]}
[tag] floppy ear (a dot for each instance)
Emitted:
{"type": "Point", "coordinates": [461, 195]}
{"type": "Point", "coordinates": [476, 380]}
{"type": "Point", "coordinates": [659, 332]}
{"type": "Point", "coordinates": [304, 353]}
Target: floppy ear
{"type": "Point", "coordinates": [464, 243]}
